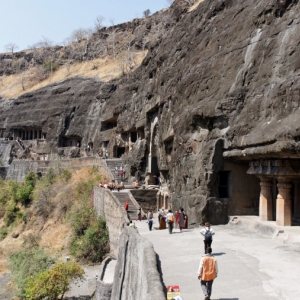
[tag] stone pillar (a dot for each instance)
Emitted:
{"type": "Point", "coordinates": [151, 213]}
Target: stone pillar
{"type": "Point", "coordinates": [283, 204]}
{"type": "Point", "coordinates": [265, 200]}
{"type": "Point", "coordinates": [167, 202]}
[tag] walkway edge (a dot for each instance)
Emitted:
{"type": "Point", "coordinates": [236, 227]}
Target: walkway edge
{"type": "Point", "coordinates": [267, 228]}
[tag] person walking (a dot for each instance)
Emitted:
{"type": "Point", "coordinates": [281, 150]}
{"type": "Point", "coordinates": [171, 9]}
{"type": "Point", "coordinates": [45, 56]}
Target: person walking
{"type": "Point", "coordinates": [181, 219]}
{"type": "Point", "coordinates": [162, 220]}
{"type": "Point", "coordinates": [186, 221]}
{"type": "Point", "coordinates": [150, 223]}
{"type": "Point", "coordinates": [170, 221]}
{"type": "Point", "coordinates": [149, 215]}
{"type": "Point", "coordinates": [207, 272]}
{"type": "Point", "coordinates": [207, 233]}
{"type": "Point", "coordinates": [139, 214]}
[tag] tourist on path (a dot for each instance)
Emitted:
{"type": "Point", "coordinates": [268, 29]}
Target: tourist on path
{"type": "Point", "coordinates": [186, 221]}
{"type": "Point", "coordinates": [161, 213]}
{"type": "Point", "coordinates": [170, 221]}
{"type": "Point", "coordinates": [161, 219]}
{"type": "Point", "coordinates": [207, 233]}
{"type": "Point", "coordinates": [139, 215]}
{"type": "Point", "coordinates": [207, 272]}
{"type": "Point", "coordinates": [181, 219]}
{"type": "Point", "coordinates": [149, 215]}
{"type": "Point", "coordinates": [150, 223]}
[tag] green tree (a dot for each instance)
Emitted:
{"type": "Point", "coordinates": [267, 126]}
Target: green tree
{"type": "Point", "coordinates": [93, 245]}
{"type": "Point", "coordinates": [29, 261]}
{"type": "Point", "coordinates": [53, 284]}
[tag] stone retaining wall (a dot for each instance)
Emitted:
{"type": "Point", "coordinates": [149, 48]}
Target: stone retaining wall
{"type": "Point", "coordinates": [136, 273]}
{"type": "Point", "coordinates": [18, 169]}
{"type": "Point", "coordinates": [109, 207]}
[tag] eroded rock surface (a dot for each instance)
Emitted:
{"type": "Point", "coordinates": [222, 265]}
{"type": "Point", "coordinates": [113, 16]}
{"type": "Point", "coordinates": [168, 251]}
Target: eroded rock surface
{"type": "Point", "coordinates": [221, 85]}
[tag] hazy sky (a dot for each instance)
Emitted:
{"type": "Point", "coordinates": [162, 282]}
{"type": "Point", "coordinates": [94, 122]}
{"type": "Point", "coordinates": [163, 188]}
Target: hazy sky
{"type": "Point", "coordinates": [25, 22]}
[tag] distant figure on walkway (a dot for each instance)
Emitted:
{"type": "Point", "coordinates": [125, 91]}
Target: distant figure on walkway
{"type": "Point", "coordinates": [207, 272]}
{"type": "Point", "coordinates": [150, 223]}
{"type": "Point", "coordinates": [150, 215]}
{"type": "Point", "coordinates": [161, 212]}
{"type": "Point", "coordinates": [186, 221]}
{"type": "Point", "coordinates": [170, 221]}
{"type": "Point", "coordinates": [161, 219]}
{"type": "Point", "coordinates": [139, 215]}
{"type": "Point", "coordinates": [126, 205]}
{"type": "Point", "coordinates": [207, 233]}
{"type": "Point", "coordinates": [181, 219]}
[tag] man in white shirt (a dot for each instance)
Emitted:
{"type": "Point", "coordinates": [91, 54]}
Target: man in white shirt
{"type": "Point", "coordinates": [207, 233]}
{"type": "Point", "coordinates": [170, 221]}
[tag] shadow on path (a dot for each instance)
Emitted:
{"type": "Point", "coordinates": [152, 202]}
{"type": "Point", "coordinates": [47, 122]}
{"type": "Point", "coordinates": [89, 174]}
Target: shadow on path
{"type": "Point", "coordinates": [219, 254]}
{"type": "Point", "coordinates": [160, 273]}
{"type": "Point", "coordinates": [225, 299]}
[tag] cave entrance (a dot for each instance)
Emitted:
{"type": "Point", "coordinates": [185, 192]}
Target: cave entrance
{"type": "Point", "coordinates": [109, 123]}
{"type": "Point", "coordinates": [34, 133]}
{"type": "Point", "coordinates": [119, 151]}
{"type": "Point", "coordinates": [239, 189]}
{"type": "Point", "coordinates": [71, 141]}
{"type": "Point", "coordinates": [133, 136]}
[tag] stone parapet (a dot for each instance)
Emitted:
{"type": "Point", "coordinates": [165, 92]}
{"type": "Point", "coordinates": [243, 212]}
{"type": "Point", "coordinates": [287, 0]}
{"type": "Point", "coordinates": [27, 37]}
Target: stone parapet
{"type": "Point", "coordinates": [109, 207]}
{"type": "Point", "coordinates": [136, 273]}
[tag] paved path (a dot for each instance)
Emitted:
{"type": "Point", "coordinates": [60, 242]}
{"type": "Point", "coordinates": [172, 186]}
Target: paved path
{"type": "Point", "coordinates": [251, 266]}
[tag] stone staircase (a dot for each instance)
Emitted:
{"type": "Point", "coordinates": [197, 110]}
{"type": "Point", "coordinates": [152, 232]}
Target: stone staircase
{"type": "Point", "coordinates": [122, 197]}
{"type": "Point", "coordinates": [5, 149]}
{"type": "Point", "coordinates": [111, 164]}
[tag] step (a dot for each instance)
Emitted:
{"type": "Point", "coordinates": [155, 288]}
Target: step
{"type": "Point", "coordinates": [122, 197]}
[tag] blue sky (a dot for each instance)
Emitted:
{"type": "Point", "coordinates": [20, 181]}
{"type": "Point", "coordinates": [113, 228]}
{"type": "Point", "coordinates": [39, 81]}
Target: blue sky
{"type": "Point", "coordinates": [25, 22]}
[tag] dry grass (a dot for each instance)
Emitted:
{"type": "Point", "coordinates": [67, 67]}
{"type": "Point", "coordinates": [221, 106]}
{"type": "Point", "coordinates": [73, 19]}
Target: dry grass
{"type": "Point", "coordinates": [101, 69]}
{"type": "Point", "coordinates": [195, 5]}
{"type": "Point", "coordinates": [55, 232]}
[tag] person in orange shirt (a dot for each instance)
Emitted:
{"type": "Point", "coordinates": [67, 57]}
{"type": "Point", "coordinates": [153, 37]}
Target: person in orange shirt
{"type": "Point", "coordinates": [207, 272]}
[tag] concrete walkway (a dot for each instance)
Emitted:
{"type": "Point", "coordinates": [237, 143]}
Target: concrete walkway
{"type": "Point", "coordinates": [252, 266]}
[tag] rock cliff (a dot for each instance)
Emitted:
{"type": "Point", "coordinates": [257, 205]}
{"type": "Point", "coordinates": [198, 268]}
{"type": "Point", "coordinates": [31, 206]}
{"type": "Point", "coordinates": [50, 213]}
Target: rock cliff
{"type": "Point", "coordinates": [218, 89]}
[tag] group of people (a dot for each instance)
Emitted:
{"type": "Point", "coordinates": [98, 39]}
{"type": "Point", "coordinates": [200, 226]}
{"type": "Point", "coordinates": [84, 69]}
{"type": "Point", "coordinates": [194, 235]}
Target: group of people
{"type": "Point", "coordinates": [208, 268]}
{"type": "Point", "coordinates": [112, 185]}
{"type": "Point", "coordinates": [120, 171]}
{"type": "Point", "coordinates": [180, 218]}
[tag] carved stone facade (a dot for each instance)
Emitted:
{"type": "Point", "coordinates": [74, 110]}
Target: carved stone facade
{"type": "Point", "coordinates": [279, 194]}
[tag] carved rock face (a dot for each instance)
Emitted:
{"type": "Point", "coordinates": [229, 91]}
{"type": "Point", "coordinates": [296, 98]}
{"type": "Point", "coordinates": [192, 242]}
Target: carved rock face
{"type": "Point", "coordinates": [226, 77]}
{"type": "Point", "coordinates": [74, 152]}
